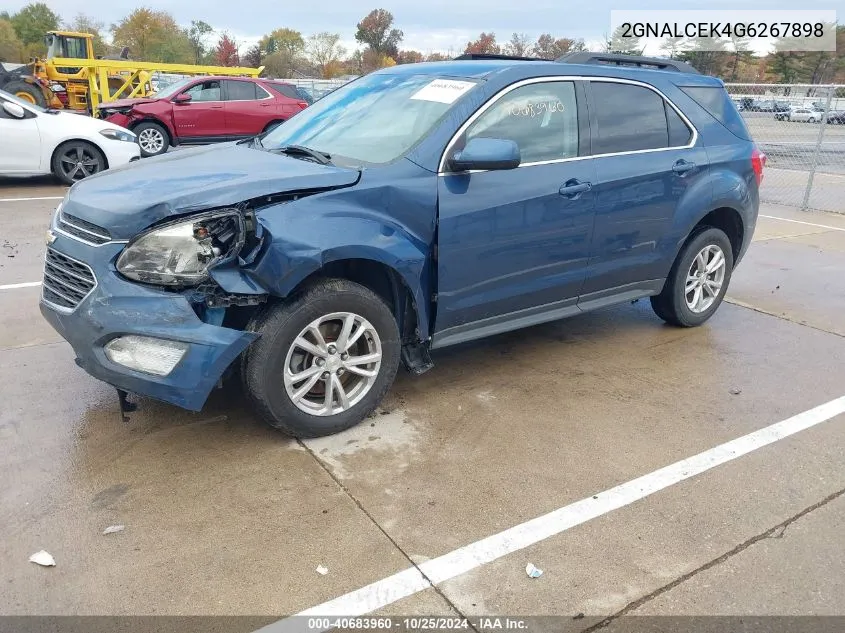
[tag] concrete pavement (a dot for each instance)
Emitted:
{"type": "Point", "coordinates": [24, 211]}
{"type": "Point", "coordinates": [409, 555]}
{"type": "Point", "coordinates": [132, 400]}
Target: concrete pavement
{"type": "Point", "coordinates": [226, 517]}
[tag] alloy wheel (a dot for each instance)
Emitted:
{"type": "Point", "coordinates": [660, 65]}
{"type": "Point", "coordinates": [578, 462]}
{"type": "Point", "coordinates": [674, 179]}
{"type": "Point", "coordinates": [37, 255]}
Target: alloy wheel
{"type": "Point", "coordinates": [79, 162]}
{"type": "Point", "coordinates": [705, 278]}
{"type": "Point", "coordinates": [332, 364]}
{"type": "Point", "coordinates": [151, 140]}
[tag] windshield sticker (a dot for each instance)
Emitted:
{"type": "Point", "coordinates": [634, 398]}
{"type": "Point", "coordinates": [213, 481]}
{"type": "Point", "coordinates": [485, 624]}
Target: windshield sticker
{"type": "Point", "coordinates": [443, 90]}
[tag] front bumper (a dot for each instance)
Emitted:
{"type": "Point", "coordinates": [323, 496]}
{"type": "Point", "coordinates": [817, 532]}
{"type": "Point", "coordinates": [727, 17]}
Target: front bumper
{"type": "Point", "coordinates": [119, 153]}
{"type": "Point", "coordinates": [116, 307]}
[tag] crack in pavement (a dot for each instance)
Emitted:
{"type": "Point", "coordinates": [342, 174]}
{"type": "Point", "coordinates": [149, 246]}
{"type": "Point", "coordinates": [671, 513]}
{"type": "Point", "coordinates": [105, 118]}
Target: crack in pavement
{"type": "Point", "coordinates": [776, 532]}
{"type": "Point", "coordinates": [387, 535]}
{"type": "Point", "coordinates": [783, 317]}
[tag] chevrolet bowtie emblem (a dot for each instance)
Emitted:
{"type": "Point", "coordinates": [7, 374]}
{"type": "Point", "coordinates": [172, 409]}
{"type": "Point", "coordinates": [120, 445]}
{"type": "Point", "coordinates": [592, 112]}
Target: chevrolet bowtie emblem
{"type": "Point", "coordinates": [51, 237]}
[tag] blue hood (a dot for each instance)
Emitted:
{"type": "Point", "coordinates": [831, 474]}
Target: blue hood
{"type": "Point", "coordinates": [127, 200]}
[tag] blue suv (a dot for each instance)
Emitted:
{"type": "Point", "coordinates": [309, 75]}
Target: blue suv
{"type": "Point", "coordinates": [415, 208]}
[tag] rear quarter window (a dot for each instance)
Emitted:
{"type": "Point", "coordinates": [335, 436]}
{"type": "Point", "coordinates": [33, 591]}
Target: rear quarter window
{"type": "Point", "coordinates": [717, 102]}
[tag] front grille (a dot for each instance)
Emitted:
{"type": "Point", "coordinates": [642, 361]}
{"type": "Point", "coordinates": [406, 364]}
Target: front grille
{"type": "Point", "coordinates": [82, 229]}
{"type": "Point", "coordinates": [66, 281]}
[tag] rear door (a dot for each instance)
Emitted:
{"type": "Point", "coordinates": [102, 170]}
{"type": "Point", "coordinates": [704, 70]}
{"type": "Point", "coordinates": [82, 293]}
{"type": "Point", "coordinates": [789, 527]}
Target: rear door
{"type": "Point", "coordinates": [513, 245]}
{"type": "Point", "coordinates": [249, 108]}
{"type": "Point", "coordinates": [203, 115]}
{"type": "Point", "coordinates": [647, 165]}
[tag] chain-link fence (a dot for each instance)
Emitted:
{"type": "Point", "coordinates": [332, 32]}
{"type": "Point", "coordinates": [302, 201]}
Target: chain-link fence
{"type": "Point", "coordinates": [801, 129]}
{"type": "Point", "coordinates": [318, 88]}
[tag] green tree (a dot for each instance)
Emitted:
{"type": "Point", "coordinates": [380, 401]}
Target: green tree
{"type": "Point", "coordinates": [284, 40]}
{"type": "Point", "coordinates": [623, 45]}
{"type": "Point", "coordinates": [84, 24]}
{"type": "Point", "coordinates": [518, 45]}
{"type": "Point", "coordinates": [325, 52]}
{"type": "Point", "coordinates": [198, 34]}
{"type": "Point", "coordinates": [153, 36]}
{"type": "Point", "coordinates": [376, 31]}
{"type": "Point", "coordinates": [707, 56]}
{"type": "Point", "coordinates": [33, 21]}
{"type": "Point", "coordinates": [672, 46]}
{"type": "Point", "coordinates": [741, 53]}
{"type": "Point", "coordinates": [10, 44]}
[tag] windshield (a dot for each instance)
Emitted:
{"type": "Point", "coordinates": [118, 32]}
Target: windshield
{"type": "Point", "coordinates": [26, 104]}
{"type": "Point", "coordinates": [172, 89]}
{"type": "Point", "coordinates": [375, 119]}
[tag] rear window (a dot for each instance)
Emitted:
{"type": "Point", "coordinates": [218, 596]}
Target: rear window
{"type": "Point", "coordinates": [285, 89]}
{"type": "Point", "coordinates": [716, 101]}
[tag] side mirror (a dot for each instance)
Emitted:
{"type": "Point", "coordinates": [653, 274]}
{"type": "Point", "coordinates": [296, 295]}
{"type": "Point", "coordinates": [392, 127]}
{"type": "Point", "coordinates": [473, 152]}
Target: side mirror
{"type": "Point", "coordinates": [182, 98]}
{"type": "Point", "coordinates": [14, 110]}
{"type": "Point", "coordinates": [486, 153]}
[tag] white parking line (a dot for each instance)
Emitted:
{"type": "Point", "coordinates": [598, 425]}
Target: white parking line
{"type": "Point", "coordinates": [462, 560]}
{"type": "Point", "coordinates": [31, 199]}
{"type": "Point", "coordinates": [26, 284]}
{"type": "Point", "coordinates": [821, 226]}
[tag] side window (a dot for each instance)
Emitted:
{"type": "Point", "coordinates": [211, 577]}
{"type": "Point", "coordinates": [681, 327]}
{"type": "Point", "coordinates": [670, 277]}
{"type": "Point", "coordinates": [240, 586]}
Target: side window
{"type": "Point", "coordinates": [240, 91]}
{"type": "Point", "coordinates": [629, 118]}
{"type": "Point", "coordinates": [679, 133]}
{"type": "Point", "coordinates": [541, 118]}
{"type": "Point", "coordinates": [205, 91]}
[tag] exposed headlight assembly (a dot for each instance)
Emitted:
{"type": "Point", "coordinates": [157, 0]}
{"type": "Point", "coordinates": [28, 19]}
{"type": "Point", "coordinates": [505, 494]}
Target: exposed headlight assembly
{"type": "Point", "coordinates": [180, 253]}
{"type": "Point", "coordinates": [119, 135]}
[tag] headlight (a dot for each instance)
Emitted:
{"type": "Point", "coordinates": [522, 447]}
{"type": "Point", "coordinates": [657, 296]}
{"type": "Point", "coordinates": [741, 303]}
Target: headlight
{"type": "Point", "coordinates": [180, 253]}
{"type": "Point", "coordinates": [119, 135]}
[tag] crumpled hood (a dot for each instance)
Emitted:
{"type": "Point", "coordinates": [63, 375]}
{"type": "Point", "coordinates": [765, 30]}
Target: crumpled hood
{"type": "Point", "coordinates": [118, 104]}
{"type": "Point", "coordinates": [128, 199]}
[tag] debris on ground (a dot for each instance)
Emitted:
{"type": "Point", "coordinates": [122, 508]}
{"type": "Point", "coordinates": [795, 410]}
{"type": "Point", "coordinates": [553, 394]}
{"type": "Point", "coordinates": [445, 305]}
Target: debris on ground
{"type": "Point", "coordinates": [114, 528]}
{"type": "Point", "coordinates": [532, 571]}
{"type": "Point", "coordinates": [43, 558]}
{"type": "Point", "coordinates": [322, 570]}
{"type": "Point", "coordinates": [578, 616]}
{"type": "Point", "coordinates": [736, 392]}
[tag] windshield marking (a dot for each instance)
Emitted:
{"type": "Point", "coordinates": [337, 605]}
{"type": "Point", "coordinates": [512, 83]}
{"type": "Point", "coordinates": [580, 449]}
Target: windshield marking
{"type": "Point", "coordinates": [443, 90]}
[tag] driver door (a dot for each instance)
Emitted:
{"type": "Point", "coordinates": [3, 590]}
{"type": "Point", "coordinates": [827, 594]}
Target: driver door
{"type": "Point", "coordinates": [514, 244]}
{"type": "Point", "coordinates": [21, 144]}
{"type": "Point", "coordinates": [202, 116]}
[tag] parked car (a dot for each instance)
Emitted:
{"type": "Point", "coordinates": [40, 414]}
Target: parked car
{"type": "Point", "coordinates": [36, 140]}
{"type": "Point", "coordinates": [421, 206]}
{"type": "Point", "coordinates": [836, 116]}
{"type": "Point", "coordinates": [205, 110]}
{"type": "Point", "coordinates": [808, 115]}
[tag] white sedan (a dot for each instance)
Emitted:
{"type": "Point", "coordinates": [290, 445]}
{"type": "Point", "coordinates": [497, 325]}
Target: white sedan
{"type": "Point", "coordinates": [70, 146]}
{"type": "Point", "coordinates": [805, 114]}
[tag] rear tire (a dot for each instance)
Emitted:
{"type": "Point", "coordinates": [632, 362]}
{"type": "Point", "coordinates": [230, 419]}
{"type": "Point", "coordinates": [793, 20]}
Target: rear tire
{"type": "Point", "coordinates": [75, 160]}
{"type": "Point", "coordinates": [152, 138]}
{"type": "Point", "coordinates": [28, 92]}
{"type": "Point", "coordinates": [294, 378]}
{"type": "Point", "coordinates": [691, 294]}
{"type": "Point", "coordinates": [272, 125]}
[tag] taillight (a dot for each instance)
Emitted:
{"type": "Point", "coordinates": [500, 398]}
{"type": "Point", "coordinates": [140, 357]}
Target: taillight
{"type": "Point", "coordinates": [758, 162]}
{"type": "Point", "coordinates": [303, 104]}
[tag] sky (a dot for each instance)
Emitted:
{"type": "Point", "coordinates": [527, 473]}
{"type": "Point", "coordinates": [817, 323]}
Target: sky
{"type": "Point", "coordinates": [429, 25]}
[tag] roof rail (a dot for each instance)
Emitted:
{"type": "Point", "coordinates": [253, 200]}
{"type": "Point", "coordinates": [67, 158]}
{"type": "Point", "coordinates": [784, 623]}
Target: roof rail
{"type": "Point", "coordinates": [618, 59]}
{"type": "Point", "coordinates": [466, 56]}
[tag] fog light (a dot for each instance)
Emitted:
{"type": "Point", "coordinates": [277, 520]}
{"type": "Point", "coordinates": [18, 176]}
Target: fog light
{"type": "Point", "coordinates": [143, 353]}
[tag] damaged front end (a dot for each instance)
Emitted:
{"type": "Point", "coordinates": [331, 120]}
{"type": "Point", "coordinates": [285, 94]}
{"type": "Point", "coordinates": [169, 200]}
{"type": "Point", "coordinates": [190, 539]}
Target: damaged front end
{"type": "Point", "coordinates": [152, 319]}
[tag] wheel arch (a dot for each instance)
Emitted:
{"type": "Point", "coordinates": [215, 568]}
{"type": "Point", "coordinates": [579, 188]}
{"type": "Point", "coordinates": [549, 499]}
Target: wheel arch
{"type": "Point", "coordinates": [376, 272]}
{"type": "Point", "coordinates": [87, 141]}
{"type": "Point", "coordinates": [152, 119]}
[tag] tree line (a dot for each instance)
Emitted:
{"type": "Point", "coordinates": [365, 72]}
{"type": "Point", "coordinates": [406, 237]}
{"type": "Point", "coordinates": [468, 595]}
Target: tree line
{"type": "Point", "coordinates": [155, 36]}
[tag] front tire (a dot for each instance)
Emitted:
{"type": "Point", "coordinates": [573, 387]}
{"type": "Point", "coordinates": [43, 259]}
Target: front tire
{"type": "Point", "coordinates": [698, 280]}
{"type": "Point", "coordinates": [27, 92]}
{"type": "Point", "coordinates": [152, 138]}
{"type": "Point", "coordinates": [76, 160]}
{"type": "Point", "coordinates": [324, 360]}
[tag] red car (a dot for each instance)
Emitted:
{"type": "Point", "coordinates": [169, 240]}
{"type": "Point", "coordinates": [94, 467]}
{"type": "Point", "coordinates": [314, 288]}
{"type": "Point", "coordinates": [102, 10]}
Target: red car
{"type": "Point", "coordinates": [205, 110]}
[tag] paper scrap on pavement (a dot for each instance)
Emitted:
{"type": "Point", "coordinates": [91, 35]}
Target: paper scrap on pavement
{"type": "Point", "coordinates": [114, 528]}
{"type": "Point", "coordinates": [43, 558]}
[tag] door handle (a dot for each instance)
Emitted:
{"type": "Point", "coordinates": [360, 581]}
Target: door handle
{"type": "Point", "coordinates": [574, 188]}
{"type": "Point", "coordinates": [682, 166]}
{"type": "Point", "coordinates": [216, 107]}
